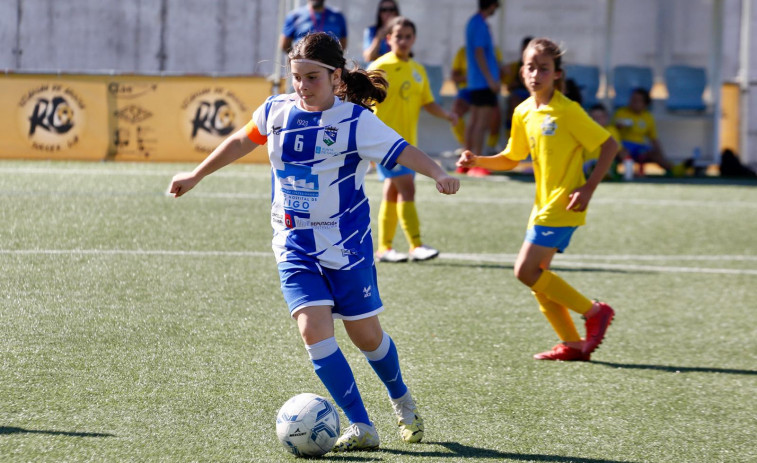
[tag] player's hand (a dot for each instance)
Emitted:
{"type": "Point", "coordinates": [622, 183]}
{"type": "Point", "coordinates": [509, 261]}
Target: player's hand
{"type": "Point", "coordinates": [579, 199]}
{"type": "Point", "coordinates": [181, 183]}
{"type": "Point", "coordinates": [448, 185]}
{"type": "Point", "coordinates": [467, 159]}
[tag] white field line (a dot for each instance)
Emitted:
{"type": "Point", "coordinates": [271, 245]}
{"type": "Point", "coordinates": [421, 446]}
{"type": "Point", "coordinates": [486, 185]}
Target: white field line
{"type": "Point", "coordinates": [434, 199]}
{"type": "Point", "coordinates": [577, 261]}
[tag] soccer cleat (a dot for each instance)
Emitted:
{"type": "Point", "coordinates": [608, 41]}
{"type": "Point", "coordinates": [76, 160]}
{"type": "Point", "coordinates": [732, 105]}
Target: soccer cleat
{"type": "Point", "coordinates": [461, 170]}
{"type": "Point", "coordinates": [563, 353]}
{"type": "Point", "coordinates": [390, 255]}
{"type": "Point", "coordinates": [596, 327]}
{"type": "Point", "coordinates": [410, 423]}
{"type": "Point", "coordinates": [359, 436]}
{"type": "Point", "coordinates": [423, 252]}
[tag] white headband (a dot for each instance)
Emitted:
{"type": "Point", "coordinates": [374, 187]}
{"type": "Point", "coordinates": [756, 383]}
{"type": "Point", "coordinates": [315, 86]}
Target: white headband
{"type": "Point", "coordinates": [318, 63]}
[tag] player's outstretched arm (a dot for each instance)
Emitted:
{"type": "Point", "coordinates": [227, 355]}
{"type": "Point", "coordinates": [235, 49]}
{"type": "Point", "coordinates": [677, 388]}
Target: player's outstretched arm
{"type": "Point", "coordinates": [496, 162]}
{"type": "Point", "coordinates": [231, 149]}
{"type": "Point", "coordinates": [419, 161]}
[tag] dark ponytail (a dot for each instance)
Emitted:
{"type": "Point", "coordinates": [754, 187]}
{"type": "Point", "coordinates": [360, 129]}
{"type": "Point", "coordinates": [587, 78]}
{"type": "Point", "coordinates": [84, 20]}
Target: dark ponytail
{"type": "Point", "coordinates": [358, 86]}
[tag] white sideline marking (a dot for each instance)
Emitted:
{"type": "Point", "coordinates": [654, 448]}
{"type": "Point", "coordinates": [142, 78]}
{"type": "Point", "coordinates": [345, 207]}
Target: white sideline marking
{"type": "Point", "coordinates": [575, 261]}
{"type": "Point", "coordinates": [135, 252]}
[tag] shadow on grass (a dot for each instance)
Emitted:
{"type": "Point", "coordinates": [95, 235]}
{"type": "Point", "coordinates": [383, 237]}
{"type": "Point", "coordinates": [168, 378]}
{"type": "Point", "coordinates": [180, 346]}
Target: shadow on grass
{"type": "Point", "coordinates": [673, 369]}
{"type": "Point", "coordinates": [457, 450]}
{"type": "Point", "coordinates": [13, 430]}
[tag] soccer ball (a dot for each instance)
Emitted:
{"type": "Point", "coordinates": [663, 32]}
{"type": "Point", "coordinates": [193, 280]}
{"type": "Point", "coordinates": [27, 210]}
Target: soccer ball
{"type": "Point", "coordinates": [307, 425]}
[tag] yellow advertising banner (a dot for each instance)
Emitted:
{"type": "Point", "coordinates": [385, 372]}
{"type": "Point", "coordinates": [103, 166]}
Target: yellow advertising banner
{"type": "Point", "coordinates": [181, 118]}
{"type": "Point", "coordinates": [125, 117]}
{"type": "Point", "coordinates": [53, 118]}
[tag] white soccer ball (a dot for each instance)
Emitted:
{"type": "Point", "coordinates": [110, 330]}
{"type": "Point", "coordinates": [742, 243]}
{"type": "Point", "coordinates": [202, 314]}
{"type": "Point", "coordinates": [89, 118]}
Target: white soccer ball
{"type": "Point", "coordinates": [307, 425]}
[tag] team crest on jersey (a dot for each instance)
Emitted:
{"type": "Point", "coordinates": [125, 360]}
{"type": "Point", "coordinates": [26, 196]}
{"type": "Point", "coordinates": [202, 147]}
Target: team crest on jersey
{"type": "Point", "coordinates": [549, 126]}
{"type": "Point", "coordinates": [329, 135]}
{"type": "Point", "coordinates": [417, 76]}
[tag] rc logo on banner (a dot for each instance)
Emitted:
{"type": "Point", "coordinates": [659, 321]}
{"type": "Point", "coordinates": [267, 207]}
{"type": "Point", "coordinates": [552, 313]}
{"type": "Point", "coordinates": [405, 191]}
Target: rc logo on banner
{"type": "Point", "coordinates": [51, 117]}
{"type": "Point", "coordinates": [209, 115]}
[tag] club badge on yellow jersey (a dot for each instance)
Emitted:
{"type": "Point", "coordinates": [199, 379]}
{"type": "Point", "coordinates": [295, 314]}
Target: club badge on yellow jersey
{"type": "Point", "coordinates": [549, 126]}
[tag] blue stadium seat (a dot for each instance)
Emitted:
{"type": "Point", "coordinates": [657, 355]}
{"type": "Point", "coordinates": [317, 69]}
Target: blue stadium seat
{"type": "Point", "coordinates": [685, 88]}
{"type": "Point", "coordinates": [435, 75]}
{"type": "Point", "coordinates": [627, 78]}
{"type": "Point", "coordinates": [587, 79]}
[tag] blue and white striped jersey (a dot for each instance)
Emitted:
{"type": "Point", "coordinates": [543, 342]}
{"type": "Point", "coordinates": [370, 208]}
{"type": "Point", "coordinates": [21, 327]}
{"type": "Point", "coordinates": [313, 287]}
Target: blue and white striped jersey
{"type": "Point", "coordinates": [319, 210]}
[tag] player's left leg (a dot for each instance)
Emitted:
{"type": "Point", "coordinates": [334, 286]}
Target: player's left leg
{"type": "Point", "coordinates": [381, 352]}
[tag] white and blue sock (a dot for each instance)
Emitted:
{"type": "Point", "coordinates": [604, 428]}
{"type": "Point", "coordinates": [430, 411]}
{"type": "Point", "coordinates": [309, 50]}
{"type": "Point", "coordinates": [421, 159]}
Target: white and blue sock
{"type": "Point", "coordinates": [335, 373]}
{"type": "Point", "coordinates": [386, 364]}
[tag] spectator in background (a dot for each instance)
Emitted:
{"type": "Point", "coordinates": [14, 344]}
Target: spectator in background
{"type": "Point", "coordinates": [483, 80]}
{"type": "Point", "coordinates": [601, 116]}
{"type": "Point", "coordinates": [315, 17]}
{"type": "Point", "coordinates": [374, 37]}
{"type": "Point", "coordinates": [516, 89]}
{"type": "Point", "coordinates": [638, 132]}
{"type": "Point", "coordinates": [461, 105]}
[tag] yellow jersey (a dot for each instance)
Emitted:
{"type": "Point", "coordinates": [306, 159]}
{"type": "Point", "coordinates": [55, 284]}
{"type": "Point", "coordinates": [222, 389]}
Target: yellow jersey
{"type": "Point", "coordinates": [460, 63]}
{"type": "Point", "coordinates": [408, 92]}
{"type": "Point", "coordinates": [635, 127]}
{"type": "Point", "coordinates": [556, 135]}
{"type": "Point", "coordinates": [589, 155]}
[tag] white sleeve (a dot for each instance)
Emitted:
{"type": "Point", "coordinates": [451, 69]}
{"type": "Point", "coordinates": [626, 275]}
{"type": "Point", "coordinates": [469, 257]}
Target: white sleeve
{"type": "Point", "coordinates": [377, 141]}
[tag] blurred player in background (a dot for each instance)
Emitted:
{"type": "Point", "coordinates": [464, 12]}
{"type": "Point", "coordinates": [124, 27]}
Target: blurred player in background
{"type": "Point", "coordinates": [408, 92]}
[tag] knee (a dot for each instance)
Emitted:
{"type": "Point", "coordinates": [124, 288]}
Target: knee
{"type": "Point", "coordinates": [526, 274]}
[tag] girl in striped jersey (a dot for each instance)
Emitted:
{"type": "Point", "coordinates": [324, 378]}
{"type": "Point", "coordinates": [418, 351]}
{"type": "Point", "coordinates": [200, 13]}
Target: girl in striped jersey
{"type": "Point", "coordinates": [320, 141]}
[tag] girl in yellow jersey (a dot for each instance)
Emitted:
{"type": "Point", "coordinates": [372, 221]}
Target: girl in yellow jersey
{"type": "Point", "coordinates": [555, 131]}
{"type": "Point", "coordinates": [408, 92]}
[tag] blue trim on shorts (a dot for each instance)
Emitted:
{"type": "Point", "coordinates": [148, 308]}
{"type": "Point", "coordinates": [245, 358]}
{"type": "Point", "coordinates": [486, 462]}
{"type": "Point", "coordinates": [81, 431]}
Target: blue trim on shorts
{"type": "Point", "coordinates": [550, 237]}
{"type": "Point", "coordinates": [384, 173]}
{"type": "Point", "coordinates": [352, 294]}
{"type": "Point", "coordinates": [638, 151]}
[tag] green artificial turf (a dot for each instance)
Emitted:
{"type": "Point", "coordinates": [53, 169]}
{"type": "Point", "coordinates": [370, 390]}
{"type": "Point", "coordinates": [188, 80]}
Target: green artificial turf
{"type": "Point", "coordinates": [138, 327]}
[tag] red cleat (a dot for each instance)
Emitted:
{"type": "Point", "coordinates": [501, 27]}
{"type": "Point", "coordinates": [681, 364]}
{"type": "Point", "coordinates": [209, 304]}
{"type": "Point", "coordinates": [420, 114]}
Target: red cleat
{"type": "Point", "coordinates": [563, 353]}
{"type": "Point", "coordinates": [596, 327]}
{"type": "Point", "coordinates": [461, 170]}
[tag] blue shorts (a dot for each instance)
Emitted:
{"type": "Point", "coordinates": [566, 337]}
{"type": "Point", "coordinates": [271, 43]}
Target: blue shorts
{"type": "Point", "coordinates": [464, 94]}
{"type": "Point", "coordinates": [638, 151]}
{"type": "Point", "coordinates": [384, 173]}
{"type": "Point", "coordinates": [352, 294]}
{"type": "Point", "coordinates": [550, 237]}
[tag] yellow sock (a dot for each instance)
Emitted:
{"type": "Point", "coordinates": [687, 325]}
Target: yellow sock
{"type": "Point", "coordinates": [410, 223]}
{"type": "Point", "coordinates": [387, 225]}
{"type": "Point", "coordinates": [559, 317]}
{"type": "Point", "coordinates": [556, 289]}
{"type": "Point", "coordinates": [459, 131]}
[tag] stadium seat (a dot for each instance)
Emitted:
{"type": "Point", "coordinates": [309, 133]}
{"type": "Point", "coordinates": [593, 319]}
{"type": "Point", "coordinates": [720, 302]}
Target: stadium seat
{"type": "Point", "coordinates": [435, 75]}
{"type": "Point", "coordinates": [587, 79]}
{"type": "Point", "coordinates": [685, 88]}
{"type": "Point", "coordinates": [627, 78]}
